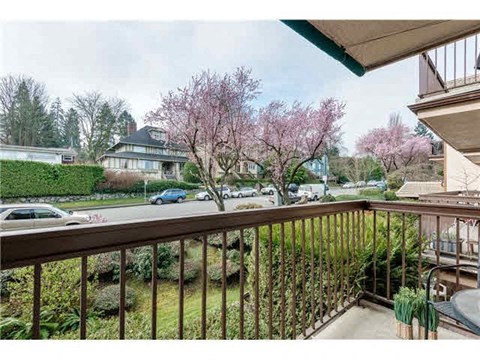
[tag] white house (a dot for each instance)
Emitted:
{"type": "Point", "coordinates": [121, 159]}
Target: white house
{"type": "Point", "coordinates": [29, 153]}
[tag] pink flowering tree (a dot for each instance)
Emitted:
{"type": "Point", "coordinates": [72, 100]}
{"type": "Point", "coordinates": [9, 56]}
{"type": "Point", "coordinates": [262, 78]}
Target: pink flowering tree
{"type": "Point", "coordinates": [286, 137]}
{"type": "Point", "coordinates": [395, 146]}
{"type": "Point", "coordinates": [211, 117]}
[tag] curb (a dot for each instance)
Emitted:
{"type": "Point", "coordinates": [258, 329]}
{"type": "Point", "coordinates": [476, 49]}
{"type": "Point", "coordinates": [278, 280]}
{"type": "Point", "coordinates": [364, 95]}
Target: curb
{"type": "Point", "coordinates": [111, 206]}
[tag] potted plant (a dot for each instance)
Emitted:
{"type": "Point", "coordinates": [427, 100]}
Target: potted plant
{"type": "Point", "coordinates": [433, 318]}
{"type": "Point", "coordinates": [403, 306]}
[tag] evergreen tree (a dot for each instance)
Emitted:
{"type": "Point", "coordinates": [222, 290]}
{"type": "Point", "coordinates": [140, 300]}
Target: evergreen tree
{"type": "Point", "coordinates": [70, 130]}
{"type": "Point", "coordinates": [422, 130]}
{"type": "Point", "coordinates": [124, 120]}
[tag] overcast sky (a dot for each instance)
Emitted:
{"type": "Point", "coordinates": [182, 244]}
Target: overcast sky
{"type": "Point", "coordinates": [140, 60]}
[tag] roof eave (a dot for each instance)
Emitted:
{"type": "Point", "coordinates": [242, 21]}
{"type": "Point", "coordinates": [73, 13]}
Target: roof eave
{"type": "Point", "coordinates": [324, 43]}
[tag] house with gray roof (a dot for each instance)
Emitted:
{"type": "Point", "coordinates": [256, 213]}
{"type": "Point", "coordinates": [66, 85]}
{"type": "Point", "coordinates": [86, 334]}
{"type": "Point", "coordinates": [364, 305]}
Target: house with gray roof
{"type": "Point", "coordinates": [146, 152]}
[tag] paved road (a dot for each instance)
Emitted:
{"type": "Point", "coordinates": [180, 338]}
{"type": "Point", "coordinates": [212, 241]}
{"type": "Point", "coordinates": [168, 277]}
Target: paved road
{"type": "Point", "coordinates": [171, 210]}
{"type": "Point", "coordinates": [186, 208]}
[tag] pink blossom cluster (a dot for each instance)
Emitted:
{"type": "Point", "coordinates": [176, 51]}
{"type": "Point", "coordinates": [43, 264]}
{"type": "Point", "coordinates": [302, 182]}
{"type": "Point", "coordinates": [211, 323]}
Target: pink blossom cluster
{"type": "Point", "coordinates": [395, 146]}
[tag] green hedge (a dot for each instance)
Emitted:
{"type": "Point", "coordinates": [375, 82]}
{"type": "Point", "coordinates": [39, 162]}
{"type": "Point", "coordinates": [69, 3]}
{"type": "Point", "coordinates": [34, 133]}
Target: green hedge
{"type": "Point", "coordinates": [154, 186]}
{"type": "Point", "coordinates": [29, 178]}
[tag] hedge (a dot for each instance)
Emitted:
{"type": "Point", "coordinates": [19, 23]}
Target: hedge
{"type": "Point", "coordinates": [29, 178]}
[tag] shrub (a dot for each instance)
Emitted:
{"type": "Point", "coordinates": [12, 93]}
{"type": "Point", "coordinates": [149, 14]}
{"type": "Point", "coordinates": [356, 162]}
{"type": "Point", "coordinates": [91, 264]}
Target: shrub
{"type": "Point", "coordinates": [233, 238]}
{"type": "Point", "coordinates": [5, 277]}
{"type": "Point", "coordinates": [419, 311]}
{"type": "Point", "coordinates": [246, 206]}
{"type": "Point", "coordinates": [394, 181]}
{"type": "Point", "coordinates": [327, 198]}
{"type": "Point", "coordinates": [215, 272]}
{"type": "Point", "coordinates": [172, 273]}
{"type": "Point", "coordinates": [190, 173]}
{"type": "Point", "coordinates": [60, 288]}
{"type": "Point", "coordinates": [370, 192]}
{"type": "Point", "coordinates": [390, 195]}
{"type": "Point", "coordinates": [107, 265]}
{"type": "Point", "coordinates": [107, 301]}
{"type": "Point", "coordinates": [29, 178]}
{"type": "Point", "coordinates": [118, 181]}
{"type": "Point", "coordinates": [142, 266]}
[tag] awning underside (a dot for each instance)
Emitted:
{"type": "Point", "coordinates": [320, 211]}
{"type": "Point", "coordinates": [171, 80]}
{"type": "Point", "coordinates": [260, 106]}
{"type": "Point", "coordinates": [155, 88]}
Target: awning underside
{"type": "Point", "coordinates": [364, 45]}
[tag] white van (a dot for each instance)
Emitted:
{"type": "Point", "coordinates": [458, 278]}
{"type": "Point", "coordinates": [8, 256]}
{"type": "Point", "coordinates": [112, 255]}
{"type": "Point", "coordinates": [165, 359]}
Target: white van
{"type": "Point", "coordinates": [313, 191]}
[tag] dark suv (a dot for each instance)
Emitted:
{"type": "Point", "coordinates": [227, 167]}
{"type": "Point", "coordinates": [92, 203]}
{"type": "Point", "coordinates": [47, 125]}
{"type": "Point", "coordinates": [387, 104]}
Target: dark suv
{"type": "Point", "coordinates": [169, 195]}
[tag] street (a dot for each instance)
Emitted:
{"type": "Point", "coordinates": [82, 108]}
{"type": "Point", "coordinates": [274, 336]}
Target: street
{"type": "Point", "coordinates": [184, 209]}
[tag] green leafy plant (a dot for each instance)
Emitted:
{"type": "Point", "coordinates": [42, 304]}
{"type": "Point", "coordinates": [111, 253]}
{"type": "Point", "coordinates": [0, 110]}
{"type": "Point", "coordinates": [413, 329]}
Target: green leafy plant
{"type": "Point", "coordinates": [420, 304]}
{"type": "Point", "coordinates": [142, 265]}
{"type": "Point", "coordinates": [191, 271]}
{"type": "Point", "coordinates": [248, 206]}
{"type": "Point", "coordinates": [328, 198]}
{"type": "Point", "coordinates": [71, 322]}
{"type": "Point", "coordinates": [390, 195]}
{"type": "Point", "coordinates": [17, 329]}
{"type": "Point", "coordinates": [404, 305]}
{"type": "Point", "coordinates": [107, 301]}
{"type": "Point", "coordinates": [215, 272]}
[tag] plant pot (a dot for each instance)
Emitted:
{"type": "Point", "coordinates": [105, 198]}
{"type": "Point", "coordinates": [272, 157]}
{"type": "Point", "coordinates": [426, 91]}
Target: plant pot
{"type": "Point", "coordinates": [404, 331]}
{"type": "Point", "coordinates": [432, 335]}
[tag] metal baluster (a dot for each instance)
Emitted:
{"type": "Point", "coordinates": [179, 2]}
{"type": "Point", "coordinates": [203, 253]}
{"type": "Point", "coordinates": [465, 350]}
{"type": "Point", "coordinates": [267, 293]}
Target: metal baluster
{"type": "Point", "coordinates": [242, 282]}
{"type": "Point", "coordinates": [257, 287]}
{"type": "Point", "coordinates": [122, 294]}
{"type": "Point", "coordinates": [294, 282]}
{"type": "Point", "coordinates": [37, 284]}
{"type": "Point", "coordinates": [270, 283]}
{"type": "Point", "coordinates": [181, 290]}
{"type": "Point", "coordinates": [204, 285]}
{"type": "Point", "coordinates": [224, 285]}
{"type": "Point", "coordinates": [83, 298]}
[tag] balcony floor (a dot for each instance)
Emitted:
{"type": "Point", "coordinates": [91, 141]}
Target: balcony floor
{"type": "Point", "coordinates": [372, 321]}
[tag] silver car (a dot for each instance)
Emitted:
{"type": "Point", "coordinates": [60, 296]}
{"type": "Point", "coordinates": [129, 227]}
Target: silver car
{"type": "Point", "coordinates": [244, 192]}
{"type": "Point", "coordinates": [34, 216]}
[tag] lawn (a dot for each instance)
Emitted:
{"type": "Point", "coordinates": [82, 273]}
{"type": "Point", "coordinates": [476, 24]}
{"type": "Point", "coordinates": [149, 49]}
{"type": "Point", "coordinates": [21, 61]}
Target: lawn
{"type": "Point", "coordinates": [347, 197]}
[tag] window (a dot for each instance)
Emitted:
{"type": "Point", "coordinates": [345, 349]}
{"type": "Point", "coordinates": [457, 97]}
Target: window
{"type": "Point", "coordinates": [139, 149]}
{"type": "Point", "coordinates": [67, 158]}
{"type": "Point", "coordinates": [20, 214]}
{"type": "Point", "coordinates": [157, 135]}
{"type": "Point", "coordinates": [45, 214]}
{"type": "Point", "coordinates": [123, 163]}
{"type": "Point", "coordinates": [145, 164]}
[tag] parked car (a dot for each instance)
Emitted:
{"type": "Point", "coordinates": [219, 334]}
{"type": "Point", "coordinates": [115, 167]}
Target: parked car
{"type": "Point", "coordinates": [268, 190]}
{"type": "Point", "coordinates": [313, 192]}
{"type": "Point", "coordinates": [292, 196]}
{"type": "Point", "coordinates": [34, 216]}
{"type": "Point", "coordinates": [360, 183]}
{"type": "Point", "coordinates": [348, 185]}
{"type": "Point", "coordinates": [169, 196]}
{"type": "Point", "coordinates": [293, 188]}
{"type": "Point", "coordinates": [372, 183]}
{"type": "Point", "coordinates": [204, 195]}
{"type": "Point", "coordinates": [244, 192]}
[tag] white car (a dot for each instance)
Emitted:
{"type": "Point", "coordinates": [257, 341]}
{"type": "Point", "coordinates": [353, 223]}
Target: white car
{"type": "Point", "coordinates": [244, 192]}
{"type": "Point", "coordinates": [268, 190]}
{"type": "Point", "coordinates": [34, 216]}
{"type": "Point", "coordinates": [348, 185]}
{"type": "Point", "coordinates": [313, 192]}
{"type": "Point", "coordinates": [204, 195]}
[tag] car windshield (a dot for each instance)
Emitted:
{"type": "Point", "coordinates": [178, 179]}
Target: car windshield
{"type": "Point", "coordinates": [304, 188]}
{"type": "Point", "coordinates": [164, 192]}
{"type": "Point", "coordinates": [64, 213]}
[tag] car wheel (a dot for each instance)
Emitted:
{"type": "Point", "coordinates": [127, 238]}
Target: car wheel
{"type": "Point", "coordinates": [270, 192]}
{"type": "Point", "coordinates": [180, 200]}
{"type": "Point", "coordinates": [206, 198]}
{"type": "Point", "coordinates": [226, 196]}
{"type": "Point", "coordinates": [254, 194]}
{"type": "Point", "coordinates": [159, 201]}
{"type": "Point", "coordinates": [315, 198]}
{"type": "Point", "coordinates": [239, 195]}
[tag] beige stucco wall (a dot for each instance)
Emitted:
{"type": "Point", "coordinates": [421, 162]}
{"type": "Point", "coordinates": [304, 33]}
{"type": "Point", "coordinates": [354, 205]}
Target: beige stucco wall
{"type": "Point", "coordinates": [460, 172]}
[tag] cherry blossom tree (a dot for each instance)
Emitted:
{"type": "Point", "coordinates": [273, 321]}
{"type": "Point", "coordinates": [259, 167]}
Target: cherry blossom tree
{"type": "Point", "coordinates": [395, 146]}
{"type": "Point", "coordinates": [212, 118]}
{"type": "Point", "coordinates": [286, 137]}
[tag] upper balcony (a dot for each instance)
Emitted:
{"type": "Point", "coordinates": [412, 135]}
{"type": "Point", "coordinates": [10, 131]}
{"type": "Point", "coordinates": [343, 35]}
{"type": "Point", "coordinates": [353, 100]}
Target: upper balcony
{"type": "Point", "coordinates": [449, 94]}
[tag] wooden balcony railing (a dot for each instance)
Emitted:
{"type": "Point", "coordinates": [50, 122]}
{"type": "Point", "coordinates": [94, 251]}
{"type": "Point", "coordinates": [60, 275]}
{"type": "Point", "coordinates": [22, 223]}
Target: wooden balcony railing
{"type": "Point", "coordinates": [306, 264]}
{"type": "Point", "coordinates": [449, 67]}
